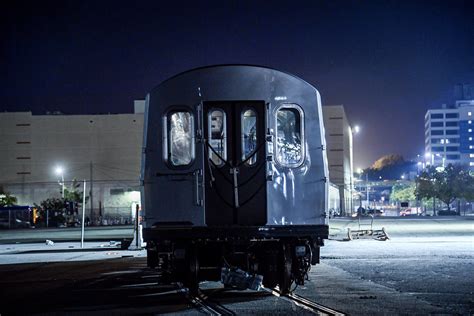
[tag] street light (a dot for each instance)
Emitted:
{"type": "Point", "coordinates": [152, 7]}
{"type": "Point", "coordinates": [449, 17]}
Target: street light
{"type": "Point", "coordinates": [60, 171]}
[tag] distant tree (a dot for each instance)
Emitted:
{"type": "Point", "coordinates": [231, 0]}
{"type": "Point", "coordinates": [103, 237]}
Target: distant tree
{"type": "Point", "coordinates": [54, 208]}
{"type": "Point", "coordinates": [425, 184]}
{"type": "Point", "coordinates": [467, 184]}
{"type": "Point", "coordinates": [388, 160]}
{"type": "Point", "coordinates": [73, 193]}
{"type": "Point", "coordinates": [390, 167]}
{"type": "Point", "coordinates": [8, 200]}
{"type": "Point", "coordinates": [403, 193]}
{"type": "Point", "coordinates": [446, 184]}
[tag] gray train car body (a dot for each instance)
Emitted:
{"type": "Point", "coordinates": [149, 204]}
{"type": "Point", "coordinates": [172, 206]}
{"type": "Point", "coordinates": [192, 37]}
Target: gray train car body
{"type": "Point", "coordinates": [234, 157]}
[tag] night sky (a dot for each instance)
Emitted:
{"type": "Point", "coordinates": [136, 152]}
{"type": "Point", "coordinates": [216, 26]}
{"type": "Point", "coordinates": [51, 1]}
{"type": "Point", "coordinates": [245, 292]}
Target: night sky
{"type": "Point", "coordinates": [387, 62]}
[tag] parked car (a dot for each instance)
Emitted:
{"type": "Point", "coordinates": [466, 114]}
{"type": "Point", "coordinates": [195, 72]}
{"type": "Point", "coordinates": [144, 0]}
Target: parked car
{"type": "Point", "coordinates": [446, 212]}
{"type": "Point", "coordinates": [371, 211]}
{"type": "Point", "coordinates": [411, 212]}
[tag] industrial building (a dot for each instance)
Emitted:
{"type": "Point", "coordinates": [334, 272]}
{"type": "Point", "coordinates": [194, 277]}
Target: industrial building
{"type": "Point", "coordinates": [339, 152]}
{"type": "Point", "coordinates": [449, 131]}
{"type": "Point", "coordinates": [103, 149]}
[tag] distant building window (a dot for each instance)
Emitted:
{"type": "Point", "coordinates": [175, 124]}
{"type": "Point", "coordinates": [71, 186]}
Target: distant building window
{"type": "Point", "coordinates": [469, 122]}
{"type": "Point", "coordinates": [436, 140]}
{"type": "Point", "coordinates": [470, 138]}
{"type": "Point", "coordinates": [452, 140]}
{"type": "Point", "coordinates": [471, 155]}
{"type": "Point", "coordinates": [437, 115]}
{"type": "Point", "coordinates": [289, 135]}
{"type": "Point", "coordinates": [441, 132]}
{"type": "Point", "coordinates": [454, 123]}
{"type": "Point", "coordinates": [452, 115]}
{"type": "Point", "coordinates": [452, 148]}
{"type": "Point", "coordinates": [452, 157]}
{"type": "Point", "coordinates": [436, 124]}
{"type": "Point", "coordinates": [437, 149]}
{"type": "Point", "coordinates": [179, 138]}
{"type": "Point", "coordinates": [469, 130]}
{"type": "Point", "coordinates": [452, 132]}
{"type": "Point", "coordinates": [471, 163]}
{"type": "Point", "coordinates": [469, 113]}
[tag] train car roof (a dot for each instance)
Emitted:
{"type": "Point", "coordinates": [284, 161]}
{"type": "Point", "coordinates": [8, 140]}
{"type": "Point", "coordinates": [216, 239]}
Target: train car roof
{"type": "Point", "coordinates": [233, 65]}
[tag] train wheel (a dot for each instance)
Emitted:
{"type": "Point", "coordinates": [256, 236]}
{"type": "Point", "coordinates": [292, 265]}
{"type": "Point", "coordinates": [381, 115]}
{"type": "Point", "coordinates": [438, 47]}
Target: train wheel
{"type": "Point", "coordinates": [285, 277]}
{"type": "Point", "coordinates": [152, 258]}
{"type": "Point", "coordinates": [191, 276]}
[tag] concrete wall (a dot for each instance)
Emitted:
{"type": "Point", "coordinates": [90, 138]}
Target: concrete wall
{"type": "Point", "coordinates": [339, 151]}
{"type": "Point", "coordinates": [103, 148]}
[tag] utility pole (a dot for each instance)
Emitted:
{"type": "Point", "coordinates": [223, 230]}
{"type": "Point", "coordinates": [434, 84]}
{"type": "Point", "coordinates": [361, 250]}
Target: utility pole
{"type": "Point", "coordinates": [367, 188]}
{"type": "Point", "coordinates": [91, 190]}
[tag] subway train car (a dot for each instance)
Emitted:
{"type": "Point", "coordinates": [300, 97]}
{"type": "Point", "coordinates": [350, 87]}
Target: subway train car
{"type": "Point", "coordinates": [235, 177]}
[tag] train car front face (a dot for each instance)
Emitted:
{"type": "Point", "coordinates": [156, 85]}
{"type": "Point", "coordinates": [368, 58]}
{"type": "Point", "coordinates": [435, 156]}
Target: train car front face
{"type": "Point", "coordinates": [234, 152]}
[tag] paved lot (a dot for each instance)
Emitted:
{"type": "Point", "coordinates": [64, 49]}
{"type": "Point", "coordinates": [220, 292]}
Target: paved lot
{"type": "Point", "coordinates": [425, 268]}
{"type": "Point", "coordinates": [64, 234]}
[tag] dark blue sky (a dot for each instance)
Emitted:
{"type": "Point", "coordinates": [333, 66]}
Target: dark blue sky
{"type": "Point", "coordinates": [387, 62]}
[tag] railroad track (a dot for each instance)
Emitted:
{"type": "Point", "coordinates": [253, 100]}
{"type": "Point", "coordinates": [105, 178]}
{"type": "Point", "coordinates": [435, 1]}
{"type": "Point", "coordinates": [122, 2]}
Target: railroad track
{"type": "Point", "coordinates": [305, 303]}
{"type": "Point", "coordinates": [202, 303]}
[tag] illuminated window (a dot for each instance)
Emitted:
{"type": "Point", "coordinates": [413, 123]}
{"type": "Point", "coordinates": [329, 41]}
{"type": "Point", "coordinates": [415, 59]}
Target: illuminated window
{"type": "Point", "coordinates": [470, 138]}
{"type": "Point", "coordinates": [217, 135]}
{"type": "Point", "coordinates": [469, 130]}
{"type": "Point", "coordinates": [180, 134]}
{"type": "Point", "coordinates": [289, 136]}
{"type": "Point", "coordinates": [249, 135]}
{"type": "Point", "coordinates": [471, 155]}
{"type": "Point", "coordinates": [471, 164]}
{"type": "Point", "coordinates": [469, 122]}
{"type": "Point", "coordinates": [469, 113]}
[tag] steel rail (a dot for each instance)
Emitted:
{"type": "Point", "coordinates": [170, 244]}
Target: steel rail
{"type": "Point", "coordinates": [305, 303]}
{"type": "Point", "coordinates": [201, 302]}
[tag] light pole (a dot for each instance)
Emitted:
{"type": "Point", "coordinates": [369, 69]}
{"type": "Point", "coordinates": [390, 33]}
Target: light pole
{"type": "Point", "coordinates": [60, 171]}
{"type": "Point", "coordinates": [352, 131]}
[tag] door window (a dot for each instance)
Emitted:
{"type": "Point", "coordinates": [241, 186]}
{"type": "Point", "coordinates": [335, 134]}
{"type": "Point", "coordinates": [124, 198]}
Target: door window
{"type": "Point", "coordinates": [217, 135]}
{"type": "Point", "coordinates": [249, 135]}
{"type": "Point", "coordinates": [289, 129]}
{"type": "Point", "coordinates": [181, 138]}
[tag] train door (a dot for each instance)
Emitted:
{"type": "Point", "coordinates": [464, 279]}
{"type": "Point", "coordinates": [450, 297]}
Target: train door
{"type": "Point", "coordinates": [235, 182]}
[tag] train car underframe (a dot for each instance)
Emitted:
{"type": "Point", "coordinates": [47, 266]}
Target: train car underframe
{"type": "Point", "coordinates": [283, 255]}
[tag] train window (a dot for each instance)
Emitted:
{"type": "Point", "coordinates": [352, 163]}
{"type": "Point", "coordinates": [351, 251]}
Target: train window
{"type": "Point", "coordinates": [249, 135]}
{"type": "Point", "coordinates": [289, 129]}
{"type": "Point", "coordinates": [181, 138]}
{"type": "Point", "coordinates": [217, 135]}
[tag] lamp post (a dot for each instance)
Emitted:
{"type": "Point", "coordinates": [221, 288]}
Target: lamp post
{"type": "Point", "coordinates": [353, 131]}
{"type": "Point", "coordinates": [60, 171]}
